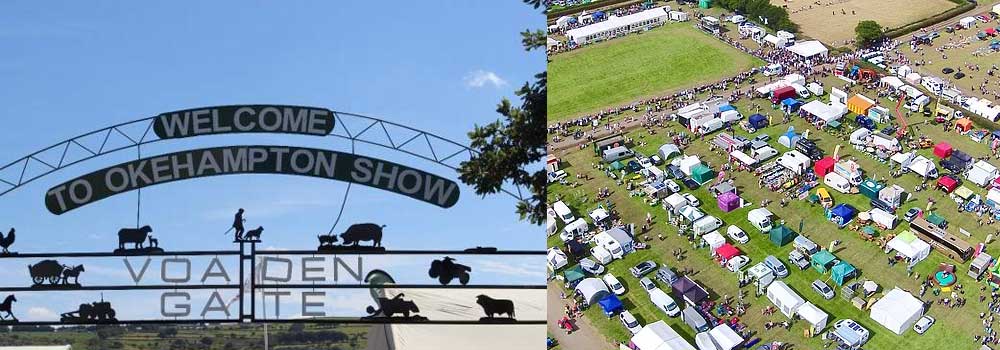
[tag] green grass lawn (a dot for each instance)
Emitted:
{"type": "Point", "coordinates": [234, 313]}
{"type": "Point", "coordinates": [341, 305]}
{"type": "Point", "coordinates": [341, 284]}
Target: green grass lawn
{"type": "Point", "coordinates": [675, 56]}
{"type": "Point", "coordinates": [954, 328]}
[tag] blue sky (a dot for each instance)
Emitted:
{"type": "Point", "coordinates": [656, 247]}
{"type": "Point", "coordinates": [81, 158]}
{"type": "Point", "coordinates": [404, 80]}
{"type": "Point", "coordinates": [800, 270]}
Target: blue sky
{"type": "Point", "coordinates": [75, 67]}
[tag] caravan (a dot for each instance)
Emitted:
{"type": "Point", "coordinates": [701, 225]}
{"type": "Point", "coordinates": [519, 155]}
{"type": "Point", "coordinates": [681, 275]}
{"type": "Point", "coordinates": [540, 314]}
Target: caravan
{"type": "Point", "coordinates": [706, 224]}
{"type": "Point", "coordinates": [616, 153]}
{"type": "Point", "coordinates": [837, 182]}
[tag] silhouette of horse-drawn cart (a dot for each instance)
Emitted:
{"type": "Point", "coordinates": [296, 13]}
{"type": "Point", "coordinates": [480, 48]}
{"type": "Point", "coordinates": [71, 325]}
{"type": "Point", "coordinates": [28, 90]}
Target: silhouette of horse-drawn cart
{"type": "Point", "coordinates": [99, 311]}
{"type": "Point", "coordinates": [54, 272]}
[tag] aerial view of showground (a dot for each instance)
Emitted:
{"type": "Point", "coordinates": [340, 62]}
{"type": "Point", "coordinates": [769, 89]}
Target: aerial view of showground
{"type": "Point", "coordinates": [783, 174]}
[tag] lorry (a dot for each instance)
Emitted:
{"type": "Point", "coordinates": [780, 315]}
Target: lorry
{"type": "Point", "coordinates": [782, 93]}
{"type": "Point", "coordinates": [850, 170]}
{"type": "Point", "coordinates": [837, 182]}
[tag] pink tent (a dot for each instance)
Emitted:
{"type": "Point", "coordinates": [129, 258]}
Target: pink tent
{"type": "Point", "coordinates": [729, 201]}
{"type": "Point", "coordinates": [942, 150]}
{"type": "Point", "coordinates": [727, 251]}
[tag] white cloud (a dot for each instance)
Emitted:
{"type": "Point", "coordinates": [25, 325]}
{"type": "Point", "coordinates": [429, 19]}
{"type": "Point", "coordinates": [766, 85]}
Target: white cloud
{"type": "Point", "coordinates": [480, 78]}
{"type": "Point", "coordinates": [511, 269]}
{"type": "Point", "coordinates": [41, 313]}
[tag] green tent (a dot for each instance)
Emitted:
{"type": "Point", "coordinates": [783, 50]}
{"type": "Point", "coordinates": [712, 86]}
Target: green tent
{"type": "Point", "coordinates": [833, 124]}
{"type": "Point", "coordinates": [705, 4]}
{"type": "Point", "coordinates": [574, 275]}
{"type": "Point", "coordinates": [842, 271]}
{"type": "Point", "coordinates": [869, 188]}
{"type": "Point", "coordinates": [821, 260]}
{"type": "Point", "coordinates": [936, 219]}
{"type": "Point", "coordinates": [616, 165]}
{"type": "Point", "coordinates": [782, 235]}
{"type": "Point", "coordinates": [702, 173]}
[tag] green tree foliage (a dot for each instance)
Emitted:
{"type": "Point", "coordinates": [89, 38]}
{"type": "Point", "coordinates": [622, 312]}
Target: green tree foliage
{"type": "Point", "coordinates": [867, 32]}
{"type": "Point", "coordinates": [777, 17]}
{"type": "Point", "coordinates": [510, 147]}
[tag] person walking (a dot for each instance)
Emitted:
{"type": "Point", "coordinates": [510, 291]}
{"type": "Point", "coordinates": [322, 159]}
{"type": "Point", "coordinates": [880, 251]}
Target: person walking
{"type": "Point", "coordinates": [238, 221]}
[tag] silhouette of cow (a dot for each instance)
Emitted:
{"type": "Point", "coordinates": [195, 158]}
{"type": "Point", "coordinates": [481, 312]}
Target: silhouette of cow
{"type": "Point", "coordinates": [495, 306]}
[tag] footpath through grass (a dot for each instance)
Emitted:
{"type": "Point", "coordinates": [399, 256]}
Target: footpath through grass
{"type": "Point", "coordinates": [611, 73]}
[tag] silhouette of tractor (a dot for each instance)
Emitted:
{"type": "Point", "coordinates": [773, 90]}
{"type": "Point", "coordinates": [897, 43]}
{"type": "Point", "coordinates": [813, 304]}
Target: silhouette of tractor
{"type": "Point", "coordinates": [97, 311]}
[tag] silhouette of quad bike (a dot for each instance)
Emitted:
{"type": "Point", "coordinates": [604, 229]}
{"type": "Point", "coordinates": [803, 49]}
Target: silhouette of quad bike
{"type": "Point", "coordinates": [97, 311]}
{"type": "Point", "coordinates": [446, 270]}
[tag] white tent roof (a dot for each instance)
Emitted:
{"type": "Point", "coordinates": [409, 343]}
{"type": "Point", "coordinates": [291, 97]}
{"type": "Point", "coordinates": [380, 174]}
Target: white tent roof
{"type": "Point", "coordinates": [592, 289]}
{"type": "Point", "coordinates": [691, 213]}
{"type": "Point", "coordinates": [687, 163]}
{"type": "Point", "coordinates": [824, 111]}
{"type": "Point", "coordinates": [993, 195]}
{"type": "Point", "coordinates": [704, 341]}
{"type": "Point", "coordinates": [897, 310]}
{"type": "Point", "coordinates": [772, 39]}
{"type": "Point", "coordinates": [892, 81]}
{"type": "Point", "coordinates": [809, 48]}
{"type": "Point", "coordinates": [659, 336]}
{"type": "Point", "coordinates": [917, 249]}
{"type": "Point", "coordinates": [714, 239]}
{"type": "Point", "coordinates": [598, 214]}
{"type": "Point", "coordinates": [725, 337]}
{"type": "Point", "coordinates": [743, 157]}
{"type": "Point", "coordinates": [813, 314]}
{"type": "Point", "coordinates": [967, 21]}
{"type": "Point", "coordinates": [784, 298]}
{"type": "Point", "coordinates": [676, 200]}
{"type": "Point", "coordinates": [883, 217]}
{"type": "Point", "coordinates": [616, 22]}
{"type": "Point", "coordinates": [579, 224]}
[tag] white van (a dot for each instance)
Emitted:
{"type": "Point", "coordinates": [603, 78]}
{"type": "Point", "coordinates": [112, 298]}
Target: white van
{"type": "Point", "coordinates": [711, 126]}
{"type": "Point", "coordinates": [706, 224]}
{"type": "Point", "coordinates": [602, 255]}
{"type": "Point", "coordinates": [801, 90]}
{"type": "Point", "coordinates": [837, 182]}
{"type": "Point", "coordinates": [613, 154]}
{"type": "Point", "coordinates": [577, 228]}
{"type": "Point", "coordinates": [563, 212]}
{"type": "Point", "coordinates": [816, 89]}
{"type": "Point", "coordinates": [664, 302]}
{"type": "Point", "coordinates": [760, 218]}
{"type": "Point", "coordinates": [773, 69]}
{"type": "Point", "coordinates": [610, 244]}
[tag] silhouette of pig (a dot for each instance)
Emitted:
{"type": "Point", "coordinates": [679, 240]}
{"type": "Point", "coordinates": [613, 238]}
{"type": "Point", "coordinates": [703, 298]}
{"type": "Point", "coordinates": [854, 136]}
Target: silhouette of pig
{"type": "Point", "coordinates": [363, 232]}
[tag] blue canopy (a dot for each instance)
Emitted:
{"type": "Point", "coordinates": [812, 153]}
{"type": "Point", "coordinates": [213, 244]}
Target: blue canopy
{"type": "Point", "coordinates": [598, 14]}
{"type": "Point", "coordinates": [727, 108]}
{"type": "Point", "coordinates": [758, 121]}
{"type": "Point", "coordinates": [611, 305]}
{"type": "Point", "coordinates": [791, 102]}
{"type": "Point", "coordinates": [843, 213]}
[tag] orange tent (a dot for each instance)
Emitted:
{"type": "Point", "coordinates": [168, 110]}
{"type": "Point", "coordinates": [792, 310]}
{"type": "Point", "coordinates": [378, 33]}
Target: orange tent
{"type": "Point", "coordinates": [963, 125]}
{"type": "Point", "coordinates": [859, 104]}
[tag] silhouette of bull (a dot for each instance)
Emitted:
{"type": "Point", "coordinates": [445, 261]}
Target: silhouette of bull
{"type": "Point", "coordinates": [363, 232]}
{"type": "Point", "coordinates": [495, 306]}
{"type": "Point", "coordinates": [133, 235]}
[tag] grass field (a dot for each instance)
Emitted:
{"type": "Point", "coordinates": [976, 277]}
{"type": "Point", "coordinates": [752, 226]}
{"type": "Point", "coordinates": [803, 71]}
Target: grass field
{"type": "Point", "coordinates": [221, 338]}
{"type": "Point", "coordinates": [828, 24]}
{"type": "Point", "coordinates": [954, 328]}
{"type": "Point", "coordinates": [959, 57]}
{"type": "Point", "coordinates": [675, 56]}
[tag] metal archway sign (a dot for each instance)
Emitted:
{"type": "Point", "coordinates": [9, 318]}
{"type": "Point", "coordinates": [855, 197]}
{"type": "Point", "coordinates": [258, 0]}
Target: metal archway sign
{"type": "Point", "coordinates": [265, 272]}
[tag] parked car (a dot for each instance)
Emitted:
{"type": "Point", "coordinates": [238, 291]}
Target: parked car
{"type": "Point", "coordinates": [923, 324]}
{"type": "Point", "coordinates": [911, 214]}
{"type": "Point", "coordinates": [647, 284]}
{"type": "Point", "coordinates": [645, 162]}
{"type": "Point", "coordinates": [630, 322]}
{"type": "Point", "coordinates": [691, 184]}
{"type": "Point", "coordinates": [675, 171]}
{"type": "Point", "coordinates": [666, 275]}
{"type": "Point", "coordinates": [633, 166]}
{"type": "Point", "coordinates": [798, 259]}
{"type": "Point", "coordinates": [737, 234]}
{"type": "Point", "coordinates": [823, 289]}
{"type": "Point", "coordinates": [737, 263]}
{"type": "Point", "coordinates": [692, 200]}
{"type": "Point", "coordinates": [762, 138]}
{"type": "Point", "coordinates": [591, 266]}
{"type": "Point", "coordinates": [614, 284]}
{"type": "Point", "coordinates": [656, 160]}
{"type": "Point", "coordinates": [779, 268]}
{"type": "Point", "coordinates": [641, 269]}
{"type": "Point", "coordinates": [672, 186]}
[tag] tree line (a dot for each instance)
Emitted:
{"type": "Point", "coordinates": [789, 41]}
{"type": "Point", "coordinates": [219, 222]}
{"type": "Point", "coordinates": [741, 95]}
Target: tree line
{"type": "Point", "coordinates": [776, 16]}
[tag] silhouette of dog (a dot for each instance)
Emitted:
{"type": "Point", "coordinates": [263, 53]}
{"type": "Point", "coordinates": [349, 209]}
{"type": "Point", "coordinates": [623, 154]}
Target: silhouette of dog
{"type": "Point", "coordinates": [254, 235]}
{"type": "Point", "coordinates": [153, 242]}
{"type": "Point", "coordinates": [327, 240]}
{"type": "Point", "coordinates": [495, 306]}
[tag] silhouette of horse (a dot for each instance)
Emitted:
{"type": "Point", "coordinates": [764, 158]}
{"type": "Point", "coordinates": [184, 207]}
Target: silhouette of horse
{"type": "Point", "coordinates": [5, 306]}
{"type": "Point", "coordinates": [72, 272]}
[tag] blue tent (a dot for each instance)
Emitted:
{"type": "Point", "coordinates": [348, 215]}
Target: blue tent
{"type": "Point", "coordinates": [791, 104]}
{"type": "Point", "coordinates": [758, 121]}
{"type": "Point", "coordinates": [842, 214]}
{"type": "Point", "coordinates": [727, 108]}
{"type": "Point", "coordinates": [611, 305]}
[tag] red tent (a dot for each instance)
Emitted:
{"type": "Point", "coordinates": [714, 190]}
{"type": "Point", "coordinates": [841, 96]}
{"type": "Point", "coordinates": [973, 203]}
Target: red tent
{"type": "Point", "coordinates": [942, 150]}
{"type": "Point", "coordinates": [727, 251]}
{"type": "Point", "coordinates": [947, 184]}
{"type": "Point", "coordinates": [824, 166]}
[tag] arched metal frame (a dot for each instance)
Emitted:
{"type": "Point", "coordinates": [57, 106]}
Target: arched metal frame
{"type": "Point", "coordinates": [449, 158]}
